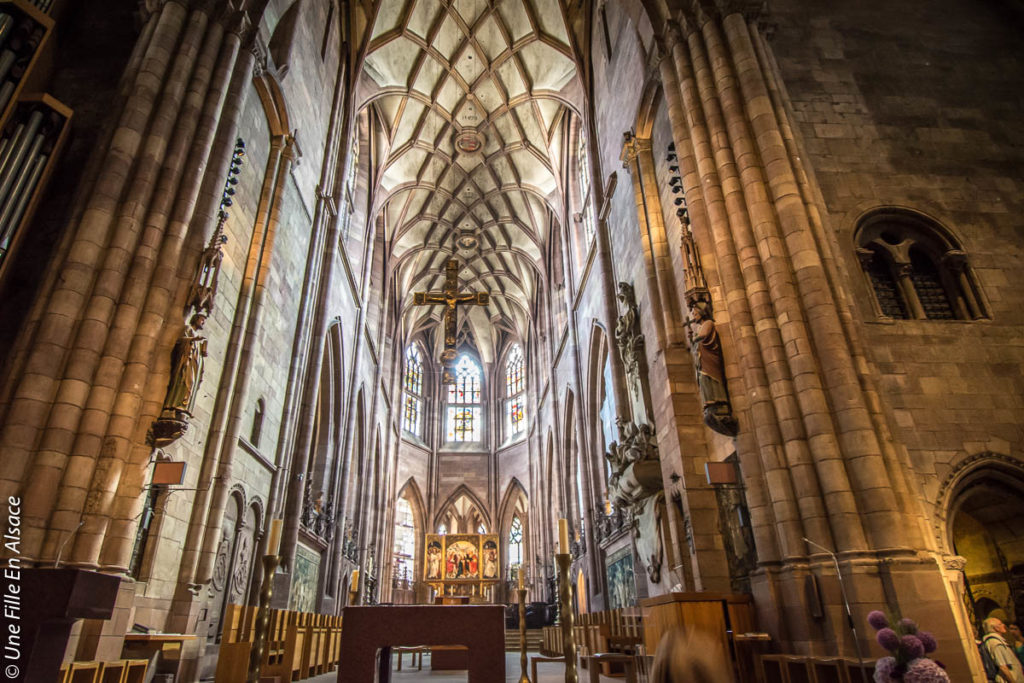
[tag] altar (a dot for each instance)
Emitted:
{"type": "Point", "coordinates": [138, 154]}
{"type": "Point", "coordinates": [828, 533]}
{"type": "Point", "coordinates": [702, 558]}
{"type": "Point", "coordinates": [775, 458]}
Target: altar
{"type": "Point", "coordinates": [371, 632]}
{"type": "Point", "coordinates": [465, 565]}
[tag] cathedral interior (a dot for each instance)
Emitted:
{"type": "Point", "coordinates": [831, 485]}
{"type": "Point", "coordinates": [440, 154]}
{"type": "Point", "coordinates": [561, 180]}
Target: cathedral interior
{"type": "Point", "coordinates": [732, 287]}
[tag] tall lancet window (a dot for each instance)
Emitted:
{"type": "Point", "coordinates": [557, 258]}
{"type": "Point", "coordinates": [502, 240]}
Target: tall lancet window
{"type": "Point", "coordinates": [515, 394]}
{"type": "Point", "coordinates": [515, 542]}
{"type": "Point", "coordinates": [405, 541]}
{"type": "Point", "coordinates": [413, 400]}
{"type": "Point", "coordinates": [350, 181]}
{"type": "Point", "coordinates": [465, 412]}
{"type": "Point", "coordinates": [583, 178]}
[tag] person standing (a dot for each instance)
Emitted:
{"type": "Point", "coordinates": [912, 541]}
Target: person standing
{"type": "Point", "coordinates": [995, 641]}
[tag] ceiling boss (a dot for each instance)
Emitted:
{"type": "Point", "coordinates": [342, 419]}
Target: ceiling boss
{"type": "Point", "coordinates": [451, 298]}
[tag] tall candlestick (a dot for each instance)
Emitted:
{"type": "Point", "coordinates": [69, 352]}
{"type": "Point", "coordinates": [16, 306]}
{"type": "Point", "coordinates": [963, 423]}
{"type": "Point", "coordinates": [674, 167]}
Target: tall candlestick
{"type": "Point", "coordinates": [274, 542]}
{"type": "Point", "coordinates": [563, 536]}
{"type": "Point", "coordinates": [565, 616]}
{"type": "Point", "coordinates": [523, 678]}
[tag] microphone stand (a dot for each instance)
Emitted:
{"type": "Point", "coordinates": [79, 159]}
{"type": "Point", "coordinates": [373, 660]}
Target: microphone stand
{"type": "Point", "coordinates": [846, 605]}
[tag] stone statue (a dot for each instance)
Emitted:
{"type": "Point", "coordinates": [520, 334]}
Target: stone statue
{"type": "Point", "coordinates": [186, 370]}
{"type": "Point", "coordinates": [707, 360]}
{"type": "Point", "coordinates": [628, 337]}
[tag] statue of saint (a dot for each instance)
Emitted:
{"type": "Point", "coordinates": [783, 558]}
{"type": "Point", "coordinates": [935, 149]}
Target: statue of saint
{"type": "Point", "coordinates": [186, 369]}
{"type": "Point", "coordinates": [707, 360]}
{"type": "Point", "coordinates": [629, 339]}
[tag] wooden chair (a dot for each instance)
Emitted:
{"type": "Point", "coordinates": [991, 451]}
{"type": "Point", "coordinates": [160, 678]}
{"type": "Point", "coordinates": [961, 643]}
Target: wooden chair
{"type": "Point", "coordinates": [830, 670]}
{"type": "Point", "coordinates": [626, 661]}
{"type": "Point", "coordinates": [84, 672]}
{"type": "Point", "coordinates": [113, 672]}
{"type": "Point", "coordinates": [773, 669]}
{"type": "Point", "coordinates": [800, 669]}
{"type": "Point", "coordinates": [135, 671]}
{"type": "Point", "coordinates": [416, 654]}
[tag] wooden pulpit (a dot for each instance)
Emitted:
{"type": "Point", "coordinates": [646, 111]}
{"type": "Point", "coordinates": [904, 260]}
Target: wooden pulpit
{"type": "Point", "coordinates": [52, 601]}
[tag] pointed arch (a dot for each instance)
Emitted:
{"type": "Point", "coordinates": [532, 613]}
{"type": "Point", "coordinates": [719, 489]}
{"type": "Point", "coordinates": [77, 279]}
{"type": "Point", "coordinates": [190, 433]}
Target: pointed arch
{"type": "Point", "coordinates": [268, 87]}
{"type": "Point", "coordinates": [572, 477]}
{"type": "Point", "coordinates": [600, 402]}
{"type": "Point", "coordinates": [515, 492]}
{"type": "Point", "coordinates": [410, 493]}
{"type": "Point", "coordinates": [453, 497]}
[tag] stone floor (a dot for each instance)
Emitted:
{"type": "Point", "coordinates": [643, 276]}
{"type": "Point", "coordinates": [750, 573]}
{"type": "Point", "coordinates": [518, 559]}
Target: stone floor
{"type": "Point", "coordinates": [546, 673]}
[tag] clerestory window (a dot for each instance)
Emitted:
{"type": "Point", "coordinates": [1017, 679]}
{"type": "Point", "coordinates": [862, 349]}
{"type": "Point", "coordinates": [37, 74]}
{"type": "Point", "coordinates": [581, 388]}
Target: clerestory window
{"type": "Point", "coordinates": [412, 399]}
{"type": "Point", "coordinates": [916, 269]}
{"type": "Point", "coordinates": [515, 392]}
{"type": "Point", "coordinates": [464, 412]}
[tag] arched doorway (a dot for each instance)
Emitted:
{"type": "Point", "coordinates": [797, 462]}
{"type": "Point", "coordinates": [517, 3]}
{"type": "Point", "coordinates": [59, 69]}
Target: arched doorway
{"type": "Point", "coordinates": [985, 524]}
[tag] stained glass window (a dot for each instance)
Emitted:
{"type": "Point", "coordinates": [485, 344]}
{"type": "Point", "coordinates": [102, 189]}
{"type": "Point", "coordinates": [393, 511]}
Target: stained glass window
{"type": "Point", "coordinates": [515, 384]}
{"type": "Point", "coordinates": [405, 541]}
{"type": "Point", "coordinates": [515, 542]}
{"type": "Point", "coordinates": [464, 412]}
{"type": "Point", "coordinates": [412, 400]}
{"type": "Point", "coordinates": [442, 529]}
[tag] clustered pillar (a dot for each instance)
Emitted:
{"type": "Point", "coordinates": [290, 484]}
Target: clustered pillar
{"type": "Point", "coordinates": [815, 452]}
{"type": "Point", "coordinates": [74, 415]}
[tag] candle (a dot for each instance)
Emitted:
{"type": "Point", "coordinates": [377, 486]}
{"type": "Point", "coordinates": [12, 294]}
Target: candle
{"type": "Point", "coordinates": [520, 573]}
{"type": "Point", "coordinates": [607, 507]}
{"type": "Point", "coordinates": [563, 536]}
{"type": "Point", "coordinates": [274, 542]}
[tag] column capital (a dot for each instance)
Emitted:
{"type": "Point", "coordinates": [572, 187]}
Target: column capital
{"type": "Point", "coordinates": [696, 13]}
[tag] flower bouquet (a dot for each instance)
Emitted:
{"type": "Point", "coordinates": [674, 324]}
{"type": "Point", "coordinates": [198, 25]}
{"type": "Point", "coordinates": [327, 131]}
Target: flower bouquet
{"type": "Point", "coordinates": [908, 646]}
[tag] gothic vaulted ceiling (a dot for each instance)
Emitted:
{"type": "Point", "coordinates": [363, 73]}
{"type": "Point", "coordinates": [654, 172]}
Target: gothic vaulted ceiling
{"type": "Point", "coordinates": [470, 98]}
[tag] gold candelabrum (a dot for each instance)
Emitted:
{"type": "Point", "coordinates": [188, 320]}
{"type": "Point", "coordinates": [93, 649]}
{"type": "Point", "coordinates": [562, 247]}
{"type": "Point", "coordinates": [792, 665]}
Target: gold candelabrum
{"type": "Point", "coordinates": [523, 678]}
{"type": "Point", "coordinates": [564, 561]}
{"type": "Point", "coordinates": [270, 563]}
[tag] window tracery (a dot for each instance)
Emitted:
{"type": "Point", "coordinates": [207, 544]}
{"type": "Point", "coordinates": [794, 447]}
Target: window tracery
{"type": "Point", "coordinates": [916, 270]}
{"type": "Point", "coordinates": [515, 392]}
{"type": "Point", "coordinates": [464, 413]}
{"type": "Point", "coordinates": [412, 401]}
{"type": "Point", "coordinates": [515, 542]}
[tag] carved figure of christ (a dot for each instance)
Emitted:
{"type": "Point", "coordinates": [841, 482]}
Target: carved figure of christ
{"type": "Point", "coordinates": [451, 297]}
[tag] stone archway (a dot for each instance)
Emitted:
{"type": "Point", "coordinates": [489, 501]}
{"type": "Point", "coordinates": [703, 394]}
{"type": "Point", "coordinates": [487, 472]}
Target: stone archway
{"type": "Point", "coordinates": [984, 524]}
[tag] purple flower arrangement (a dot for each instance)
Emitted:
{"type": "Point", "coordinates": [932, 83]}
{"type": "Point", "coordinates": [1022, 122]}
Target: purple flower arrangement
{"type": "Point", "coordinates": [908, 645]}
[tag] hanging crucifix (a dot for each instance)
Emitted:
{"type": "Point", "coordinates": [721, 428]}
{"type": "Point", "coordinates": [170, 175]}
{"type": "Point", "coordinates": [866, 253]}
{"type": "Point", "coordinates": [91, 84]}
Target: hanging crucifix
{"type": "Point", "coordinates": [451, 297]}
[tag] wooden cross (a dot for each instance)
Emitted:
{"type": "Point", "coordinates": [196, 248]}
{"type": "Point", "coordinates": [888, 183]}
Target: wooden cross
{"type": "Point", "coordinates": [451, 298]}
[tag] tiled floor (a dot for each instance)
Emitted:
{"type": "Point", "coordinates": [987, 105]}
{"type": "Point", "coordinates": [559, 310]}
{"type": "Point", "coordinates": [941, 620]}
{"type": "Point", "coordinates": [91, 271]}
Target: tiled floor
{"type": "Point", "coordinates": [546, 673]}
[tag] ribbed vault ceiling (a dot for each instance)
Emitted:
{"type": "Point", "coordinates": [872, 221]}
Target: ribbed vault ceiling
{"type": "Point", "coordinates": [470, 97]}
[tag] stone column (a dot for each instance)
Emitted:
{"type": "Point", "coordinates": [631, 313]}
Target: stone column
{"type": "Point", "coordinates": [784, 528]}
{"type": "Point", "coordinates": [98, 243]}
{"type": "Point", "coordinates": [143, 389]}
{"type": "Point", "coordinates": [860, 451]}
{"type": "Point", "coordinates": [113, 409]}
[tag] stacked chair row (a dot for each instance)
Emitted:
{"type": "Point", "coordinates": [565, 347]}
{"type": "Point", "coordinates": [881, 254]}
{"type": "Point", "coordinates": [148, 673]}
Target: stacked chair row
{"type": "Point", "coordinates": [298, 645]}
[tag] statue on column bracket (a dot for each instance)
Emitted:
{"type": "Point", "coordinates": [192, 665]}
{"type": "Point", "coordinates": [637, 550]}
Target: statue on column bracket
{"type": "Point", "coordinates": [702, 335]}
{"type": "Point", "coordinates": [191, 348]}
{"type": "Point", "coordinates": [630, 341]}
{"type": "Point", "coordinates": [707, 361]}
{"type": "Point", "coordinates": [186, 374]}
